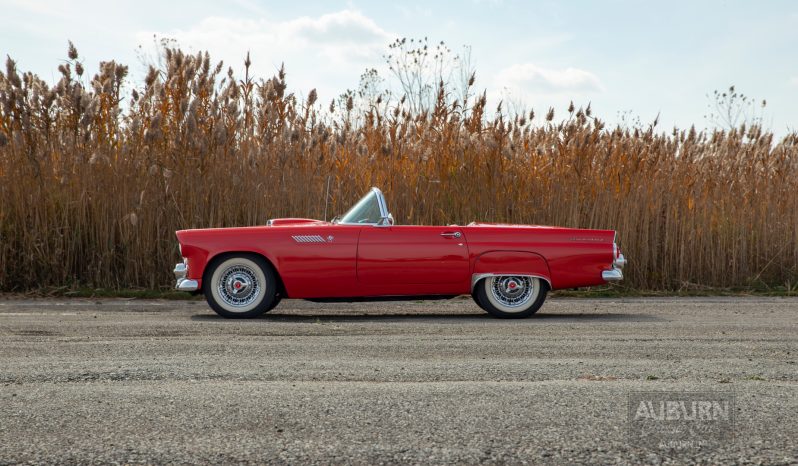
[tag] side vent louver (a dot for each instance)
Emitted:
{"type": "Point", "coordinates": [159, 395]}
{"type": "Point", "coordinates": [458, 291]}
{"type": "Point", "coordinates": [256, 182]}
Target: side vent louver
{"type": "Point", "coordinates": [308, 239]}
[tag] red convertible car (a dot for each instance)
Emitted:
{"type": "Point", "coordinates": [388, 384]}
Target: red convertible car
{"type": "Point", "coordinates": [364, 255]}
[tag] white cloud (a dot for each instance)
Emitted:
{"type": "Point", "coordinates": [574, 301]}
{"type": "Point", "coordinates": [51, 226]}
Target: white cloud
{"type": "Point", "coordinates": [337, 26]}
{"type": "Point", "coordinates": [529, 78]}
{"type": "Point", "coordinates": [794, 81]}
{"type": "Point", "coordinates": [328, 52]}
{"type": "Point", "coordinates": [40, 7]}
{"type": "Point", "coordinates": [414, 12]}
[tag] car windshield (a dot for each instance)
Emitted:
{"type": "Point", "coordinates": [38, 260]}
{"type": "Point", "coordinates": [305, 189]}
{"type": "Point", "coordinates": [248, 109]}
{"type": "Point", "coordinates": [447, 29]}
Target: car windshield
{"type": "Point", "coordinates": [367, 210]}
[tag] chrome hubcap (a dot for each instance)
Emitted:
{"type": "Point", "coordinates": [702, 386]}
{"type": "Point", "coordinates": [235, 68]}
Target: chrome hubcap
{"type": "Point", "coordinates": [512, 291]}
{"type": "Point", "coordinates": [238, 286]}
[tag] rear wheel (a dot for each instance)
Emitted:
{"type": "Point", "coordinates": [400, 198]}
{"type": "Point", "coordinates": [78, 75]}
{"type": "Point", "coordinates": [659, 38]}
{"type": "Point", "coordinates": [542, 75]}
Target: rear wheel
{"type": "Point", "coordinates": [241, 286]}
{"type": "Point", "coordinates": [510, 296]}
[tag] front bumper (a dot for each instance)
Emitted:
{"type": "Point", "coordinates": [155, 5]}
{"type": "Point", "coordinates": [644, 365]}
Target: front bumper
{"type": "Point", "coordinates": [183, 283]}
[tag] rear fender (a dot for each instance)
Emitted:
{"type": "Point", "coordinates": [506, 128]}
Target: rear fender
{"type": "Point", "coordinates": [510, 263]}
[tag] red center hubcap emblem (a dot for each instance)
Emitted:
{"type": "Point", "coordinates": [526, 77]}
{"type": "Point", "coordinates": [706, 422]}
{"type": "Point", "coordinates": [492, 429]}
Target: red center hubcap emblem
{"type": "Point", "coordinates": [512, 285]}
{"type": "Point", "coordinates": [238, 285]}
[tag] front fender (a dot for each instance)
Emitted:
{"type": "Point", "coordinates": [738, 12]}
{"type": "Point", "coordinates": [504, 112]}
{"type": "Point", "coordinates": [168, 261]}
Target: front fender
{"type": "Point", "coordinates": [510, 263]}
{"type": "Point", "coordinates": [201, 247]}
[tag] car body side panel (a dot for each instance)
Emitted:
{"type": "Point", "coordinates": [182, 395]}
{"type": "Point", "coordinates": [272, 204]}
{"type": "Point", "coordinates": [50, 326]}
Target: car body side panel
{"type": "Point", "coordinates": [576, 265]}
{"type": "Point", "coordinates": [575, 257]}
{"type": "Point", "coordinates": [322, 261]}
{"type": "Point", "coordinates": [512, 262]}
{"type": "Point", "coordinates": [313, 268]}
{"type": "Point", "coordinates": [412, 255]}
{"type": "Point", "coordinates": [319, 262]}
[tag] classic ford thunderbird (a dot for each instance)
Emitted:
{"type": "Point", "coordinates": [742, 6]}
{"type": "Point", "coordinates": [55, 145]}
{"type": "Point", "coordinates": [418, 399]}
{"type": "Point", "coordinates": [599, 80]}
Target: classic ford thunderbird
{"type": "Point", "coordinates": [365, 255]}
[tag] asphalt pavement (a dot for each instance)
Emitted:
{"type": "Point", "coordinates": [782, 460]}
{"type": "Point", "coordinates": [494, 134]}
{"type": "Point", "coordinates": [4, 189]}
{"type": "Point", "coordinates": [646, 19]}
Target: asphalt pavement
{"type": "Point", "coordinates": [148, 381]}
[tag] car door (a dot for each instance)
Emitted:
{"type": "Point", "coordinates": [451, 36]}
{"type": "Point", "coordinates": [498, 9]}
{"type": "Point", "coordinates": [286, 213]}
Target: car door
{"type": "Point", "coordinates": [316, 261]}
{"type": "Point", "coordinates": [412, 255]}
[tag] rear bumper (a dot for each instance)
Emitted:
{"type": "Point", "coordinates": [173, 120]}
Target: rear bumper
{"type": "Point", "coordinates": [183, 283]}
{"type": "Point", "coordinates": [615, 274]}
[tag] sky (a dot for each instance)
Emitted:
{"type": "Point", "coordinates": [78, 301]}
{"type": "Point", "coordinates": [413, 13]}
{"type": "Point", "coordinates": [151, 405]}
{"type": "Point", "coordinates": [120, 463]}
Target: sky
{"type": "Point", "coordinates": [629, 59]}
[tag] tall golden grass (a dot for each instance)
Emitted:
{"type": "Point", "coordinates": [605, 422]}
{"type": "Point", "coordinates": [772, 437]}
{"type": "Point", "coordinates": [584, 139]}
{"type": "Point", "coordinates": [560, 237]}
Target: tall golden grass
{"type": "Point", "coordinates": [92, 188]}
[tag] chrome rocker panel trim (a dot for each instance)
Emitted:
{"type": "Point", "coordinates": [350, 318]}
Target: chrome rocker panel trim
{"type": "Point", "coordinates": [475, 278]}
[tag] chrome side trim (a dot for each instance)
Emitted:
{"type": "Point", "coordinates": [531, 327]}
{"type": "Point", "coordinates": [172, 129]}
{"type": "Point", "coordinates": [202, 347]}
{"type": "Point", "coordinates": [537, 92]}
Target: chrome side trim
{"type": "Point", "coordinates": [613, 275]}
{"type": "Point", "coordinates": [308, 239]}
{"type": "Point", "coordinates": [184, 284]}
{"type": "Point", "coordinates": [479, 276]}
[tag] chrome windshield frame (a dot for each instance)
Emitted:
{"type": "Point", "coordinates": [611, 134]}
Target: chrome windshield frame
{"type": "Point", "coordinates": [383, 206]}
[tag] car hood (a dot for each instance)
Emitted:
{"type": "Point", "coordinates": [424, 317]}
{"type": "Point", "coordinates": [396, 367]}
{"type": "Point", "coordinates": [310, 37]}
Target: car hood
{"type": "Point", "coordinates": [282, 222]}
{"type": "Point", "coordinates": [510, 225]}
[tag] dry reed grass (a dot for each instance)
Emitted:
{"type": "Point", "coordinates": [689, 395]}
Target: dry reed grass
{"type": "Point", "coordinates": [91, 190]}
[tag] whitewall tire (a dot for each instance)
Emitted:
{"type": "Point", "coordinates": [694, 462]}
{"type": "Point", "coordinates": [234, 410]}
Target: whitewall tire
{"type": "Point", "coordinates": [240, 286]}
{"type": "Point", "coordinates": [510, 296]}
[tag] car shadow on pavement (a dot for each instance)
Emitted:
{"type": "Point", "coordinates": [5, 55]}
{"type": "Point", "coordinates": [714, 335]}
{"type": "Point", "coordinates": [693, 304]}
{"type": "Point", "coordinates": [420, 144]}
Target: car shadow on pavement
{"type": "Point", "coordinates": [616, 316]}
{"type": "Point", "coordinates": [560, 316]}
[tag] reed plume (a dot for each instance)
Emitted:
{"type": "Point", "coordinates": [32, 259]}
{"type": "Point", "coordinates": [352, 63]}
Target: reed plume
{"type": "Point", "coordinates": [93, 186]}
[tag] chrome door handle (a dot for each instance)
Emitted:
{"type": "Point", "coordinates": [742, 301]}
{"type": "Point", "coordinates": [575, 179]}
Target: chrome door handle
{"type": "Point", "coordinates": [455, 234]}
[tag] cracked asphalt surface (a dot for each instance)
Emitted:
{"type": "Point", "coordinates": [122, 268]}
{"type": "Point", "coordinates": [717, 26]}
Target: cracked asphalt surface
{"type": "Point", "coordinates": [137, 381]}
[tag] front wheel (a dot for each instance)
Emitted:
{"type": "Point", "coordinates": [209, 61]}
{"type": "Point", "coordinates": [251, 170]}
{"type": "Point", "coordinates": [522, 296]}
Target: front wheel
{"type": "Point", "coordinates": [510, 296]}
{"type": "Point", "coordinates": [241, 286]}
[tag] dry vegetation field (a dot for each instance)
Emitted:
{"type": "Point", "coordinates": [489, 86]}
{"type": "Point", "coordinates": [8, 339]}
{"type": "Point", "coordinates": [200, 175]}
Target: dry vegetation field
{"type": "Point", "coordinates": [95, 179]}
